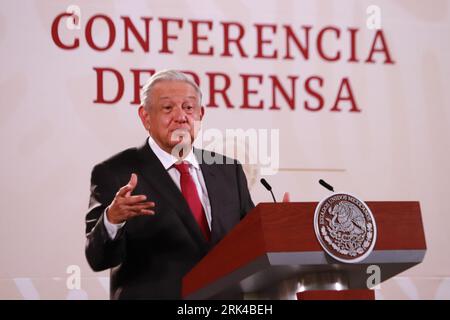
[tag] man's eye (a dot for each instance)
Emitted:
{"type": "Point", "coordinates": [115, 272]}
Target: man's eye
{"type": "Point", "coordinates": [188, 107]}
{"type": "Point", "coordinates": [167, 108]}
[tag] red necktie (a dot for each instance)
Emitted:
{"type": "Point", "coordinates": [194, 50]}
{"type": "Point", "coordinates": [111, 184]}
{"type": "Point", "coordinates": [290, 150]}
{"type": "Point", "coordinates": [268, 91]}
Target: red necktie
{"type": "Point", "coordinates": [190, 193]}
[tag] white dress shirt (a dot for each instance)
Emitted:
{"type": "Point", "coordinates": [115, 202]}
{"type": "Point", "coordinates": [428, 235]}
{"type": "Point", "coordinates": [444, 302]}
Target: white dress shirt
{"type": "Point", "coordinates": [168, 162]}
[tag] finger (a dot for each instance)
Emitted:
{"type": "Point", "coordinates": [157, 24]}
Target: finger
{"type": "Point", "coordinates": [142, 212]}
{"type": "Point", "coordinates": [132, 183]}
{"type": "Point", "coordinates": [286, 197]}
{"type": "Point", "coordinates": [146, 206]}
{"type": "Point", "coordinates": [147, 212]}
{"type": "Point", "coordinates": [143, 205]}
{"type": "Point", "coordinates": [138, 207]}
{"type": "Point", "coordinates": [123, 191]}
{"type": "Point", "coordinates": [133, 199]}
{"type": "Point", "coordinates": [129, 187]}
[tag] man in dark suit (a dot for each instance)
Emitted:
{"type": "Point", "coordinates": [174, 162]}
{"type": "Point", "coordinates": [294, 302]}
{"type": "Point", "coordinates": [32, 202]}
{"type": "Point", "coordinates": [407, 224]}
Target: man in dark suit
{"type": "Point", "coordinates": [156, 210]}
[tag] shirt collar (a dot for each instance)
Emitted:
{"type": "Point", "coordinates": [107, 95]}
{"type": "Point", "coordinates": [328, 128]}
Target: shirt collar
{"type": "Point", "coordinates": [169, 160]}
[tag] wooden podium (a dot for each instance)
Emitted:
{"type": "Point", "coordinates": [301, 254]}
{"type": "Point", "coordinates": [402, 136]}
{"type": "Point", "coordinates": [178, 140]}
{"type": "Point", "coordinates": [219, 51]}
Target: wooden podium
{"type": "Point", "coordinates": [274, 254]}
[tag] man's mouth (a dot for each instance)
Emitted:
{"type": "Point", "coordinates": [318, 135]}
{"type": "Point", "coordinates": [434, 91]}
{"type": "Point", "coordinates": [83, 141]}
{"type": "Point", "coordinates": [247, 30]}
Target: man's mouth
{"type": "Point", "coordinates": [181, 135]}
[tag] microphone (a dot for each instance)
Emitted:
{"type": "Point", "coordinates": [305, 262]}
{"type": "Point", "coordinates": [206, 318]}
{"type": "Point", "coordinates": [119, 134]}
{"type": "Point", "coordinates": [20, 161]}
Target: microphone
{"type": "Point", "coordinates": [326, 185]}
{"type": "Point", "coordinates": [268, 187]}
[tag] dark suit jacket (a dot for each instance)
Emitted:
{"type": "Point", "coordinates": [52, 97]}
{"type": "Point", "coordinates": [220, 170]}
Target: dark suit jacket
{"type": "Point", "coordinates": [151, 254]}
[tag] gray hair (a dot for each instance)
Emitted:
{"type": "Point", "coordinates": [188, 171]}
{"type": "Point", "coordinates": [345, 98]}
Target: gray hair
{"type": "Point", "coordinates": [165, 75]}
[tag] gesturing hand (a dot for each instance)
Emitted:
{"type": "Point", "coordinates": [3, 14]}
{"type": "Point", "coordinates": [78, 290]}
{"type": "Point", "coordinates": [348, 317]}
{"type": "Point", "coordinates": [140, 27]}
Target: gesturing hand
{"type": "Point", "coordinates": [125, 206]}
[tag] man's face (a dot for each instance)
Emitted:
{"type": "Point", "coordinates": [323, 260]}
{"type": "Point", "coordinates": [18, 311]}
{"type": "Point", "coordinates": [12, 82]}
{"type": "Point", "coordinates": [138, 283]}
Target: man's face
{"type": "Point", "coordinates": [174, 109]}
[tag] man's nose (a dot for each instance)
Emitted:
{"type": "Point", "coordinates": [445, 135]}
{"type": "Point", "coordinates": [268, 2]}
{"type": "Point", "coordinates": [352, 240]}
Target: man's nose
{"type": "Point", "coordinates": [180, 114]}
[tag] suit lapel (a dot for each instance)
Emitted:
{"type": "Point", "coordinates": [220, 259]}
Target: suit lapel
{"type": "Point", "coordinates": [213, 194]}
{"type": "Point", "coordinates": [156, 175]}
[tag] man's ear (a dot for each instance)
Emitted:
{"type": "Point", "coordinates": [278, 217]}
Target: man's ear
{"type": "Point", "coordinates": [202, 112]}
{"type": "Point", "coordinates": [144, 115]}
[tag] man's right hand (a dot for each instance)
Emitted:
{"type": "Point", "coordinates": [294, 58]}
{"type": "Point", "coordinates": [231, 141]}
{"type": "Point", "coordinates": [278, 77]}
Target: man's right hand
{"type": "Point", "coordinates": [125, 206]}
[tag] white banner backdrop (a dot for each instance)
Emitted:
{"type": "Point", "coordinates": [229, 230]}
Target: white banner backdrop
{"type": "Point", "coordinates": [354, 92]}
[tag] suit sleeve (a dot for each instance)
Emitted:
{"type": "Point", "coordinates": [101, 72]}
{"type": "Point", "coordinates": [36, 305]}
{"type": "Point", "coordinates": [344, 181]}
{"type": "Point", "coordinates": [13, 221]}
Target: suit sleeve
{"type": "Point", "coordinates": [246, 203]}
{"type": "Point", "coordinates": [101, 251]}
